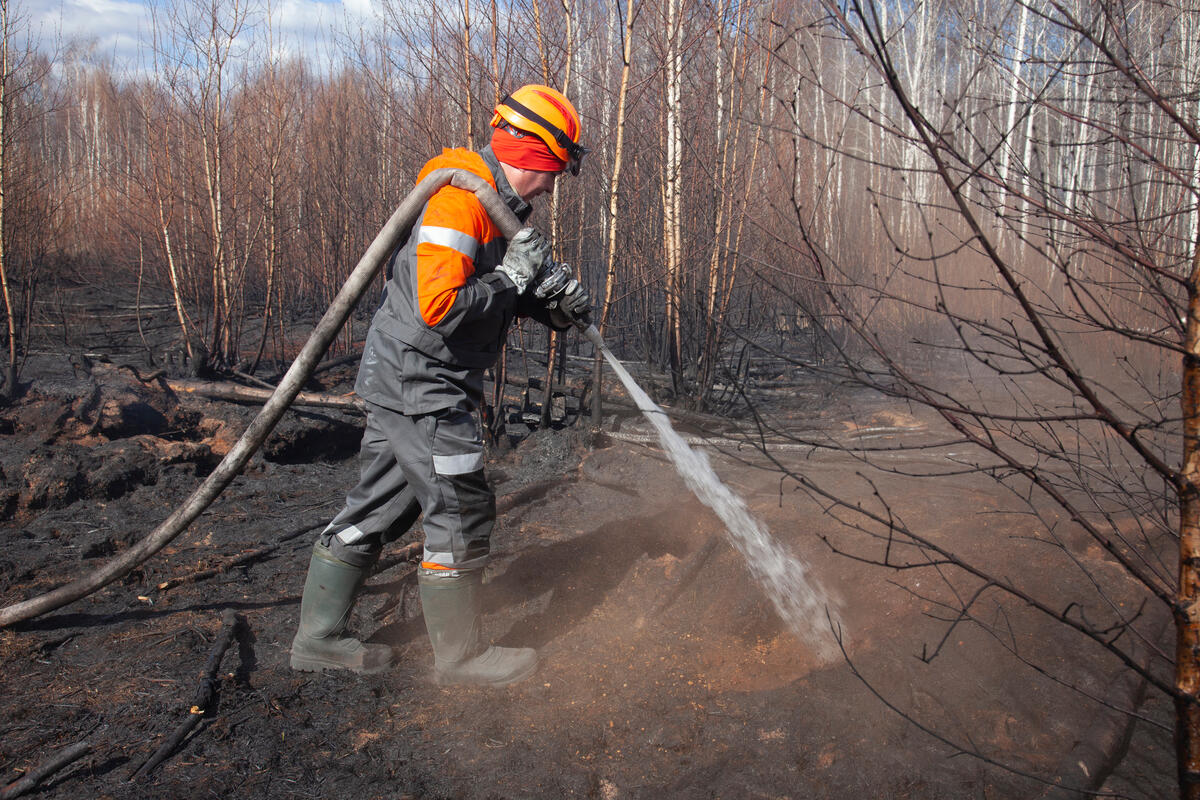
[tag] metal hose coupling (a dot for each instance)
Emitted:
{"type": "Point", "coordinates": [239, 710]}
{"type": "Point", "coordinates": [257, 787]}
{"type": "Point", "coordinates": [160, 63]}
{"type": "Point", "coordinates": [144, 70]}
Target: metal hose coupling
{"type": "Point", "coordinates": [555, 281]}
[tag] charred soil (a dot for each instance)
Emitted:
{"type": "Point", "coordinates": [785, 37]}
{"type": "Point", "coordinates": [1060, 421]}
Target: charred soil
{"type": "Point", "coordinates": [664, 669]}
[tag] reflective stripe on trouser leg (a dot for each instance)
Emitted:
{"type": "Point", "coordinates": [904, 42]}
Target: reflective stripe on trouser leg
{"type": "Point", "coordinates": [442, 457]}
{"type": "Point", "coordinates": [380, 508]}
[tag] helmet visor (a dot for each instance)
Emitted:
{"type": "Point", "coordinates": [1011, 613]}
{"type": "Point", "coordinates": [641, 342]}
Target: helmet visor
{"type": "Point", "coordinates": [575, 154]}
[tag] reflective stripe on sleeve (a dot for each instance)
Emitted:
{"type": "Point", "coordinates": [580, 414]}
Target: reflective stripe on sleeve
{"type": "Point", "coordinates": [460, 464]}
{"type": "Point", "coordinates": [448, 237]}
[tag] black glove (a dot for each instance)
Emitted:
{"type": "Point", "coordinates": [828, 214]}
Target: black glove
{"type": "Point", "coordinates": [551, 281]}
{"type": "Point", "coordinates": [575, 302]}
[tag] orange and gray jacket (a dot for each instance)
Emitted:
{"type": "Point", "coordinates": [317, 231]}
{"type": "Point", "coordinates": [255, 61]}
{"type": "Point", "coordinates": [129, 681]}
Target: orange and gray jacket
{"type": "Point", "coordinates": [445, 310]}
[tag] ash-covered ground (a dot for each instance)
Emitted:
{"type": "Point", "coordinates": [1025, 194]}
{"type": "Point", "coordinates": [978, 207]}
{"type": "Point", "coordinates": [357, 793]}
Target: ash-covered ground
{"type": "Point", "coordinates": [665, 671]}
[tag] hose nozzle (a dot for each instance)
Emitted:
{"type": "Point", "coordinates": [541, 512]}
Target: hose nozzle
{"type": "Point", "coordinates": [554, 282]}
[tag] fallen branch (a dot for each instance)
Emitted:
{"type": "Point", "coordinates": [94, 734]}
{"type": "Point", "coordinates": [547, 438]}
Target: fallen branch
{"type": "Point", "coordinates": [259, 382]}
{"type": "Point", "coordinates": [206, 691]}
{"type": "Point", "coordinates": [397, 592]}
{"type": "Point", "coordinates": [332, 363]}
{"type": "Point", "coordinates": [148, 378]}
{"type": "Point", "coordinates": [249, 395]}
{"type": "Point", "coordinates": [237, 561]}
{"type": "Point", "coordinates": [409, 552]}
{"type": "Point", "coordinates": [533, 491]}
{"type": "Point", "coordinates": [44, 770]}
{"type": "Point", "coordinates": [772, 446]}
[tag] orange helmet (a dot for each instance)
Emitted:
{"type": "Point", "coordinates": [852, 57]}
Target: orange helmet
{"type": "Point", "coordinates": [547, 114]}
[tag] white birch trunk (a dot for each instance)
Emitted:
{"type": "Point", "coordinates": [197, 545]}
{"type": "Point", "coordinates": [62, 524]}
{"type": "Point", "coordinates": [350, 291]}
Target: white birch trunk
{"type": "Point", "coordinates": [671, 190]}
{"type": "Point", "coordinates": [1014, 100]}
{"type": "Point", "coordinates": [466, 73]}
{"type": "Point", "coordinates": [610, 271]}
{"type": "Point", "coordinates": [10, 375]}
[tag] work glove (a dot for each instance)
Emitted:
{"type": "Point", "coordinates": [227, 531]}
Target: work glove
{"type": "Point", "coordinates": [527, 252]}
{"type": "Point", "coordinates": [563, 295]}
{"type": "Point", "coordinates": [575, 302]}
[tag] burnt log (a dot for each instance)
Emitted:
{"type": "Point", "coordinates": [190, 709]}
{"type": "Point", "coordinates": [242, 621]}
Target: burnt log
{"type": "Point", "coordinates": [206, 692]}
{"type": "Point", "coordinates": [44, 770]}
{"type": "Point", "coordinates": [250, 395]}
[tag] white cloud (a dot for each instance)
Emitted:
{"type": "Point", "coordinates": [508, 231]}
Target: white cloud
{"type": "Point", "coordinates": [122, 28]}
{"type": "Point", "coordinates": [361, 9]}
{"type": "Point", "coordinates": [115, 27]}
{"type": "Point", "coordinates": [301, 16]}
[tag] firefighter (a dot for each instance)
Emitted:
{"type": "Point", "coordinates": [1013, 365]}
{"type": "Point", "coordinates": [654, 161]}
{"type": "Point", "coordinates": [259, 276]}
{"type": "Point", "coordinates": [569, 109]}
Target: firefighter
{"type": "Point", "coordinates": [453, 289]}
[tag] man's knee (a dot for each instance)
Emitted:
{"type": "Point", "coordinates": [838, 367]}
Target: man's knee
{"type": "Point", "coordinates": [351, 545]}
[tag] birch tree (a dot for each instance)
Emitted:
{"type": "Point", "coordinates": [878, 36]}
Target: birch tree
{"type": "Point", "coordinates": [672, 191]}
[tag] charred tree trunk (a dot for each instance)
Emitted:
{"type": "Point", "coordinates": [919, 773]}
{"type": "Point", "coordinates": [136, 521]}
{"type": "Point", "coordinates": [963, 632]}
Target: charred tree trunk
{"type": "Point", "coordinates": [552, 348]}
{"type": "Point", "coordinates": [10, 369]}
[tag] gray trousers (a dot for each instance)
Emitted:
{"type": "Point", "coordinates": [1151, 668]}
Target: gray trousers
{"type": "Point", "coordinates": [431, 463]}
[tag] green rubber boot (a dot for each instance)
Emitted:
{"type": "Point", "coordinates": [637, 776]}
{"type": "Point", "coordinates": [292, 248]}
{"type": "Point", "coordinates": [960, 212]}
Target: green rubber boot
{"type": "Point", "coordinates": [320, 642]}
{"type": "Point", "coordinates": [450, 600]}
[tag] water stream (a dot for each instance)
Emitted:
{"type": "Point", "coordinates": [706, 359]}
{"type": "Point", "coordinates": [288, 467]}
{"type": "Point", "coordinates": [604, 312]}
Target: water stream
{"type": "Point", "coordinates": [803, 604]}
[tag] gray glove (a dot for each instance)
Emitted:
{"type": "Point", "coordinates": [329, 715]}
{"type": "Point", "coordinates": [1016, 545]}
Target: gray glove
{"type": "Point", "coordinates": [527, 252]}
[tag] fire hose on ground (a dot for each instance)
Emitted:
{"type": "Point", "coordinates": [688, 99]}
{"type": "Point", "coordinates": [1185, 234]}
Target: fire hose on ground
{"type": "Point", "coordinates": [393, 233]}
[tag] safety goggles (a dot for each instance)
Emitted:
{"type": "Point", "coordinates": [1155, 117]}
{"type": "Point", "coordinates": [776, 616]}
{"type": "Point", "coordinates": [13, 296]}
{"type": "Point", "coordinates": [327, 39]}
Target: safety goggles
{"type": "Point", "coordinates": [575, 151]}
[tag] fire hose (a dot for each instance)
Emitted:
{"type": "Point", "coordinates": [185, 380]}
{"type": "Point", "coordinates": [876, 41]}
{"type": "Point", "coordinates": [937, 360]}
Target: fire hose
{"type": "Point", "coordinates": [394, 232]}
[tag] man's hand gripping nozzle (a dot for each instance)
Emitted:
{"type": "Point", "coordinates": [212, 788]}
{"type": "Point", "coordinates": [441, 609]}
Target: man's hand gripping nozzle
{"type": "Point", "coordinates": [557, 287]}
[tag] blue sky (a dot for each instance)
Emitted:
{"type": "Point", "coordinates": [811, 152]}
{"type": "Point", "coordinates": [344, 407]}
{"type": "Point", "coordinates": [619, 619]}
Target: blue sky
{"type": "Point", "coordinates": [119, 28]}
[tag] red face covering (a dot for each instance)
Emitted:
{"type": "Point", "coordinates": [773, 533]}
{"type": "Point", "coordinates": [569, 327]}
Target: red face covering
{"type": "Point", "coordinates": [526, 152]}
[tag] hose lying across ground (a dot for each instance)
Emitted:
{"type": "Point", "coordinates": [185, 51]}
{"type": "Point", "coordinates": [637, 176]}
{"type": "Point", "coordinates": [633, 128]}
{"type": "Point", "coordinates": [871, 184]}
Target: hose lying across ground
{"type": "Point", "coordinates": [393, 233]}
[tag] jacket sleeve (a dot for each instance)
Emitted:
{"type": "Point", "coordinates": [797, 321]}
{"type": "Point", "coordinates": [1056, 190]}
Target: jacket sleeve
{"type": "Point", "coordinates": [454, 231]}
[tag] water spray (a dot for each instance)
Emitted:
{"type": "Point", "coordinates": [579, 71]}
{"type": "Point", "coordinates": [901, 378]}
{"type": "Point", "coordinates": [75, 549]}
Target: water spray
{"type": "Point", "coordinates": [804, 605]}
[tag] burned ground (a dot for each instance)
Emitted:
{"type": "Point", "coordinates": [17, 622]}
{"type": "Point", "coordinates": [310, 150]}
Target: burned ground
{"type": "Point", "coordinates": [665, 671]}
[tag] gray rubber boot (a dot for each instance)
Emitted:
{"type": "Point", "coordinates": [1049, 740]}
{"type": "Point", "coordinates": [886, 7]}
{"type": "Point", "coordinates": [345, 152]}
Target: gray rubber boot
{"type": "Point", "coordinates": [320, 642]}
{"type": "Point", "coordinates": [450, 600]}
